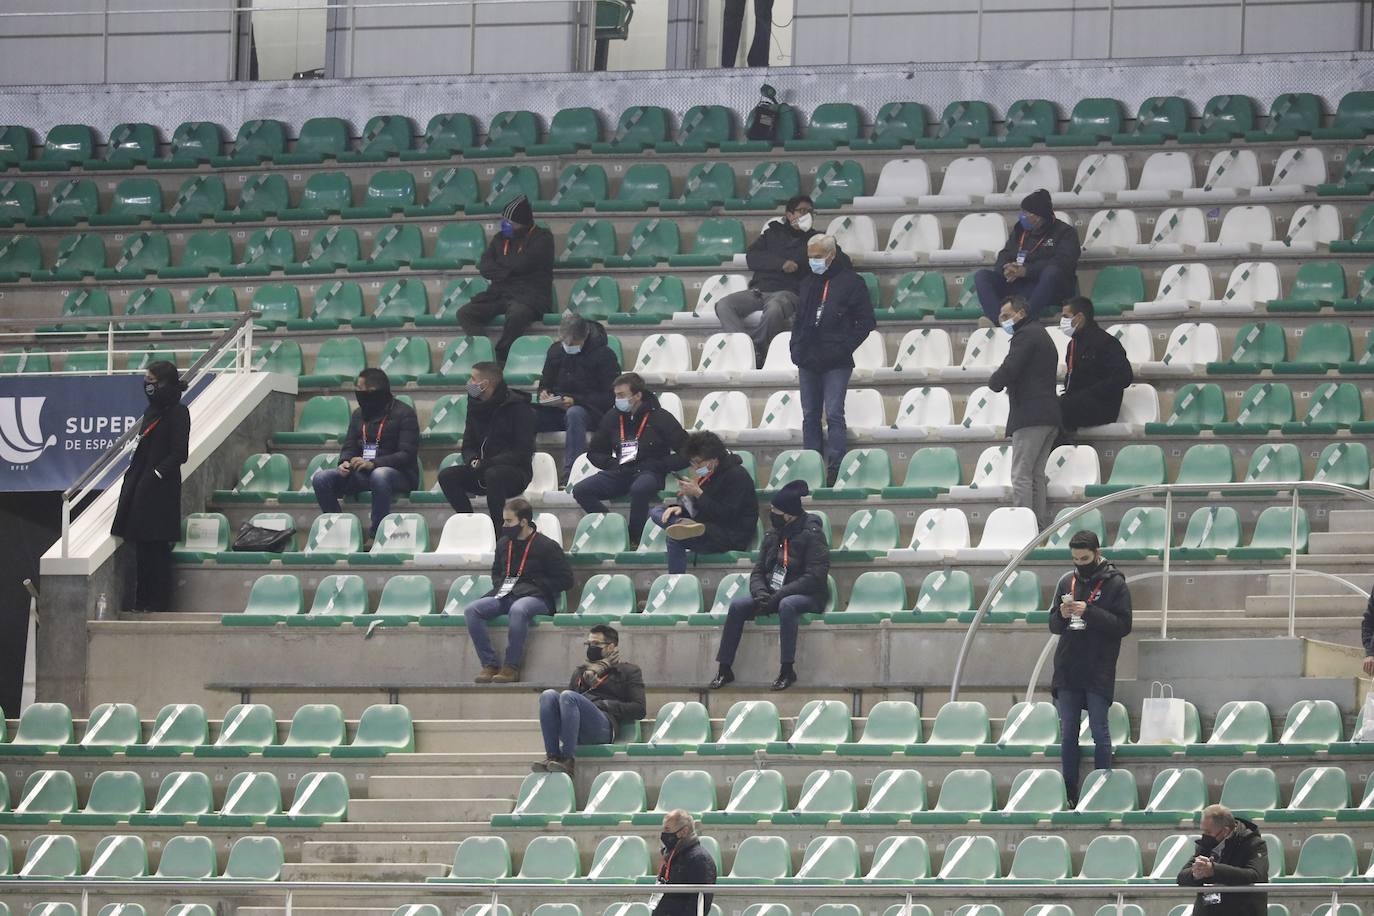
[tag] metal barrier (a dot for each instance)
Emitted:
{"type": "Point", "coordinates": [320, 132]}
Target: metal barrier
{"type": "Point", "coordinates": [1294, 487]}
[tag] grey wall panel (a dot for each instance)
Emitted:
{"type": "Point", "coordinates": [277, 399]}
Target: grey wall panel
{"type": "Point", "coordinates": [27, 59]}
{"type": "Point", "coordinates": [1186, 30]}
{"type": "Point", "coordinates": [411, 51]}
{"type": "Point", "coordinates": [1012, 35]}
{"type": "Point", "coordinates": [154, 58]}
{"type": "Point", "coordinates": [1322, 26]}
{"type": "Point", "coordinates": [891, 39]}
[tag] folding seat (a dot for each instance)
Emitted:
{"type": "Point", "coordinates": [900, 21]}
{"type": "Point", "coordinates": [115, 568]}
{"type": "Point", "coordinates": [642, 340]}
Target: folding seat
{"type": "Point", "coordinates": [1298, 172]}
{"type": "Point", "coordinates": [334, 304]}
{"type": "Point", "coordinates": [133, 200]}
{"type": "Point", "coordinates": [479, 858]}
{"type": "Point", "coordinates": [1239, 724]}
{"type": "Point", "coordinates": [708, 184]}
{"type": "Point", "coordinates": [1090, 122]}
{"type": "Point", "coordinates": [78, 255]}
{"type": "Point", "coordinates": [1319, 792]}
{"type": "Point", "coordinates": [15, 144]}
{"type": "Point", "coordinates": [837, 183]}
{"type": "Point", "coordinates": [1310, 226]}
{"type": "Point", "coordinates": [1178, 231]}
{"type": "Point", "coordinates": [404, 600]}
{"type": "Point", "coordinates": [142, 253]}
{"type": "Point", "coordinates": [1251, 283]}
{"type": "Point", "coordinates": [1041, 859]}
{"type": "Point", "coordinates": [1211, 531]}
{"type": "Point", "coordinates": [179, 728]}
{"type": "Point", "coordinates": [1177, 795]}
{"type": "Point", "coordinates": [962, 123]}
{"type": "Point", "coordinates": [759, 859]}
{"type": "Point", "coordinates": [1206, 463]}
{"type": "Point", "coordinates": [921, 353]}
{"type": "Point", "coordinates": [643, 185]}
{"type": "Point", "coordinates": [912, 238]}
{"type": "Point", "coordinates": [127, 145]}
{"type": "Point", "coordinates": [717, 240]}
{"type": "Point", "coordinates": [198, 197]}
{"type": "Point", "coordinates": [985, 416]}
{"type": "Point", "coordinates": [249, 798]}
{"type": "Point", "coordinates": [1223, 117]}
{"type": "Point", "coordinates": [771, 183]}
{"type": "Point", "coordinates": [579, 185]}
{"type": "Point", "coordinates": [72, 201]}
{"type": "Point", "coordinates": [977, 237]}
{"type": "Point", "coordinates": [1342, 462]}
{"type": "Point", "coordinates": [639, 127]}
{"type": "Point", "coordinates": [983, 353]}
{"type": "Point", "coordinates": [1325, 856]}
{"type": "Point", "coordinates": [463, 591]}
{"type": "Point", "coordinates": [869, 534]}
{"type": "Point", "coordinates": [1140, 534]}
{"type": "Point", "coordinates": [383, 136]}
{"type": "Point", "coordinates": [111, 728]}
{"type": "Point", "coordinates": [1164, 176]}
{"type": "Point", "coordinates": [400, 537]}
{"type": "Point", "coordinates": [901, 182]}
{"type": "Point", "coordinates": [1321, 346]}
{"type": "Point", "coordinates": [712, 290]}
{"type": "Point", "coordinates": [1111, 233]}
{"type": "Point", "coordinates": [678, 726]}
{"type": "Point", "coordinates": [18, 201]}
{"type": "Point", "coordinates": [203, 254]}
{"type": "Point", "coordinates": [671, 599]}
{"type": "Point", "coordinates": [598, 537]}
{"type": "Point", "coordinates": [749, 725]}
{"type": "Point", "coordinates": [464, 540]}
{"type": "Point", "coordinates": [266, 250]}
{"type": "Point", "coordinates": [1243, 230]}
{"type": "Point", "coordinates": [856, 235]}
{"type": "Point", "coordinates": [1264, 406]}
{"type": "Point", "coordinates": [66, 145]}
{"type": "Point", "coordinates": [1273, 535]}
{"type": "Point", "coordinates": [1105, 796]}
{"type": "Point", "coordinates": [588, 241]}
{"type": "Point", "coordinates": [831, 125]}
{"type": "Point", "coordinates": [1190, 347]}
{"type": "Point", "coordinates": [259, 197]}
{"type": "Point", "coordinates": [1276, 462]}
{"type": "Point", "coordinates": [1111, 859]}
{"type": "Point", "coordinates": [1027, 174]}
{"type": "Point", "coordinates": [1099, 176]}
{"type": "Point", "coordinates": [338, 597]}
{"type": "Point", "coordinates": [724, 412]}
{"type": "Point", "coordinates": [319, 139]}
{"type": "Point", "coordinates": [991, 475]}
{"type": "Point", "coordinates": [1006, 531]}
{"type": "Point", "coordinates": [1230, 174]}
{"type": "Point", "coordinates": [755, 796]}
{"type": "Point", "coordinates": [1292, 114]}
{"type": "Point", "coordinates": [1028, 725]}
{"type": "Point", "coordinates": [47, 796]}
{"type": "Point", "coordinates": [187, 858]}
{"type": "Point", "coordinates": [254, 858]}
{"type": "Point", "coordinates": [316, 728]}
{"type": "Point", "coordinates": [970, 858]}
{"type": "Point", "coordinates": [1182, 287]}
{"type": "Point", "coordinates": [449, 191]}
{"type": "Point", "coordinates": [967, 180]}
{"type": "Point", "coordinates": [20, 256]}
{"type": "Point", "coordinates": [1071, 469]}
{"type": "Point", "coordinates": [338, 360]}
{"type": "Point", "coordinates": [570, 130]}
{"type": "Point", "coordinates": [246, 729]}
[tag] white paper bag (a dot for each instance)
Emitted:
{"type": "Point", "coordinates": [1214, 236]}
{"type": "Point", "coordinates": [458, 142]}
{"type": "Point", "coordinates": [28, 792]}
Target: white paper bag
{"type": "Point", "coordinates": [1365, 731]}
{"type": "Point", "coordinates": [1161, 716]}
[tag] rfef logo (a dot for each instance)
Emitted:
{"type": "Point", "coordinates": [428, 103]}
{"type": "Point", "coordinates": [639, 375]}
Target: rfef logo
{"type": "Point", "coordinates": [21, 430]}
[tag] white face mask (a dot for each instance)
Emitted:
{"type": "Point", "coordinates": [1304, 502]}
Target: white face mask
{"type": "Point", "coordinates": [1066, 324]}
{"type": "Point", "coordinates": [804, 222]}
{"type": "Point", "coordinates": [818, 265]}
{"type": "Point", "coordinates": [1009, 326]}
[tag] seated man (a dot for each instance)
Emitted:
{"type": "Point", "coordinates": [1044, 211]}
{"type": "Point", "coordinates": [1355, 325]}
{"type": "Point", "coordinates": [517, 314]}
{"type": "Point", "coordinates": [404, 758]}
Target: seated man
{"type": "Point", "coordinates": [498, 445]}
{"type": "Point", "coordinates": [1038, 262]}
{"type": "Point", "coordinates": [789, 579]}
{"type": "Point", "coordinates": [528, 574]}
{"type": "Point", "coordinates": [636, 446]}
{"type": "Point", "coordinates": [575, 386]}
{"type": "Point", "coordinates": [380, 451]}
{"type": "Point", "coordinates": [1098, 371]}
{"type": "Point", "coordinates": [518, 263]}
{"type": "Point", "coordinates": [602, 695]}
{"type": "Point", "coordinates": [1231, 852]}
{"type": "Point", "coordinates": [717, 508]}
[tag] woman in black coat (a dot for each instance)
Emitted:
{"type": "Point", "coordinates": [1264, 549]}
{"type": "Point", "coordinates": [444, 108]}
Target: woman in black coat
{"type": "Point", "coordinates": [149, 513]}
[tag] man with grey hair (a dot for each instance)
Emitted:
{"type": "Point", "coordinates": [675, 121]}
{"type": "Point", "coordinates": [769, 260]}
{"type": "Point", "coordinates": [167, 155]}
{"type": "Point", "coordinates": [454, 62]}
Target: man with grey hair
{"type": "Point", "coordinates": [1230, 852]}
{"type": "Point", "coordinates": [685, 861]}
{"type": "Point", "coordinates": [575, 386]}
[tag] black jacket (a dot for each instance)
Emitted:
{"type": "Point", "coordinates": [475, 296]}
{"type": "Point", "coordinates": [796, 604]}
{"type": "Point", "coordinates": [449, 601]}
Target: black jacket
{"type": "Point", "coordinates": [808, 563]}
{"type": "Point", "coordinates": [1086, 659]}
{"type": "Point", "coordinates": [1028, 377]}
{"type": "Point", "coordinates": [1367, 628]}
{"type": "Point", "coordinates": [546, 575]}
{"type": "Point", "coordinates": [586, 377]}
{"type": "Point", "coordinates": [150, 506]}
{"type": "Point", "coordinates": [690, 863]}
{"type": "Point", "coordinates": [501, 431]}
{"type": "Point", "coordinates": [778, 244]}
{"type": "Point", "coordinates": [399, 446]}
{"type": "Point", "coordinates": [660, 444]}
{"type": "Point", "coordinates": [728, 506]}
{"type": "Point", "coordinates": [1098, 373]}
{"type": "Point", "coordinates": [521, 269]}
{"type": "Point", "coordinates": [1057, 245]}
{"type": "Point", "coordinates": [1244, 859]}
{"type": "Point", "coordinates": [620, 695]}
{"type": "Point", "coordinates": [834, 315]}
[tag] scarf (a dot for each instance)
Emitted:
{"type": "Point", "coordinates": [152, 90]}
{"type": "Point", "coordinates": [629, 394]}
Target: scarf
{"type": "Point", "coordinates": [594, 671]}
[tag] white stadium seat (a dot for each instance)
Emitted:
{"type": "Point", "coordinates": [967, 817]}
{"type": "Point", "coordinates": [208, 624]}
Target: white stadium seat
{"type": "Point", "coordinates": [863, 411]}
{"type": "Point", "coordinates": [920, 411]}
{"type": "Point", "coordinates": [1139, 405]}
{"type": "Point", "coordinates": [991, 476]}
{"type": "Point", "coordinates": [1070, 468]}
{"type": "Point", "coordinates": [900, 183]}
{"type": "Point", "coordinates": [1311, 225]}
{"type": "Point", "coordinates": [1177, 232]}
{"type": "Point", "coordinates": [1111, 233]}
{"type": "Point", "coordinates": [1006, 530]}
{"type": "Point", "coordinates": [545, 476]}
{"type": "Point", "coordinates": [467, 539]}
{"type": "Point", "coordinates": [1029, 173]}
{"type": "Point", "coordinates": [662, 357]}
{"type": "Point", "coordinates": [1135, 338]}
{"type": "Point", "coordinates": [1164, 177]}
{"type": "Point", "coordinates": [1243, 229]}
{"type": "Point", "coordinates": [856, 235]}
{"type": "Point", "coordinates": [1297, 172]}
{"type": "Point", "coordinates": [870, 356]}
{"type": "Point", "coordinates": [913, 237]}
{"type": "Point", "coordinates": [922, 353]}
{"type": "Point", "coordinates": [713, 289]}
{"type": "Point", "coordinates": [723, 412]}
{"type": "Point", "coordinates": [779, 421]}
{"type": "Point", "coordinates": [967, 180]}
{"type": "Point", "coordinates": [984, 352]}
{"type": "Point", "coordinates": [938, 534]}
{"type": "Point", "coordinates": [1182, 287]}
{"type": "Point", "coordinates": [548, 525]}
{"type": "Point", "coordinates": [978, 238]}
{"type": "Point", "coordinates": [1190, 348]}
{"type": "Point", "coordinates": [1099, 177]}
{"type": "Point", "coordinates": [670, 402]}
{"type": "Point", "coordinates": [778, 368]}
{"type": "Point", "coordinates": [725, 357]}
{"type": "Point", "coordinates": [1231, 174]}
{"type": "Point", "coordinates": [1251, 284]}
{"type": "Point", "coordinates": [985, 416]}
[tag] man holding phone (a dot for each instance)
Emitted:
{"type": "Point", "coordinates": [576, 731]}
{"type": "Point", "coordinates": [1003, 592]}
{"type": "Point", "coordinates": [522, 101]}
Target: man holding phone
{"type": "Point", "coordinates": [716, 509]}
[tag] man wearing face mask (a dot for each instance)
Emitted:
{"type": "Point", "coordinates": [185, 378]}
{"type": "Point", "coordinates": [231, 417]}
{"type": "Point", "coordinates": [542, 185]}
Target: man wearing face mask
{"type": "Point", "coordinates": [1027, 375]}
{"type": "Point", "coordinates": [380, 451]}
{"type": "Point", "coordinates": [528, 573]}
{"type": "Point", "coordinates": [1098, 371]}
{"type": "Point", "coordinates": [498, 444]}
{"type": "Point", "coordinates": [778, 259]}
{"type": "Point", "coordinates": [789, 579]}
{"type": "Point", "coordinates": [834, 316]}
{"type": "Point", "coordinates": [685, 861]}
{"type": "Point", "coordinates": [636, 446]}
{"type": "Point", "coordinates": [575, 386]}
{"type": "Point", "coordinates": [716, 509]}
{"type": "Point", "coordinates": [1039, 261]}
{"type": "Point", "coordinates": [518, 263]}
{"type": "Point", "coordinates": [1091, 614]}
{"type": "Point", "coordinates": [603, 694]}
{"type": "Point", "coordinates": [1232, 853]}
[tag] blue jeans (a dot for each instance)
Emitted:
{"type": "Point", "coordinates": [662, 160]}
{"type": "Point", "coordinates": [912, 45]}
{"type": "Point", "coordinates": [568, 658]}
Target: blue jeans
{"type": "Point", "coordinates": [677, 550]}
{"type": "Point", "coordinates": [824, 391]}
{"type": "Point", "coordinates": [746, 608]}
{"type": "Point", "coordinates": [384, 483]}
{"type": "Point", "coordinates": [642, 487]}
{"type": "Point", "coordinates": [1046, 293]}
{"type": "Point", "coordinates": [521, 612]}
{"type": "Point", "coordinates": [1071, 702]}
{"type": "Point", "coordinates": [576, 420]}
{"type": "Point", "coordinates": [568, 719]}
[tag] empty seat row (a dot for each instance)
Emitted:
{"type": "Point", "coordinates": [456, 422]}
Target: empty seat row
{"type": "Point", "coordinates": [125, 856]}
{"type": "Point", "coordinates": [782, 909]}
{"type": "Point", "coordinates": [112, 909]}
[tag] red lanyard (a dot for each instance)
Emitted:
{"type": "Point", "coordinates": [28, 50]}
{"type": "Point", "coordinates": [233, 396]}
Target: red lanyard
{"type": "Point", "coordinates": [667, 866]}
{"type": "Point", "coordinates": [1092, 596]}
{"type": "Point", "coordinates": [510, 555]}
{"type": "Point", "coordinates": [381, 427]}
{"type": "Point", "coordinates": [639, 432]}
{"type": "Point", "coordinates": [1022, 243]}
{"type": "Point", "coordinates": [152, 426]}
{"type": "Point", "coordinates": [505, 249]}
{"type": "Point", "coordinates": [784, 553]}
{"type": "Point", "coordinates": [1069, 357]}
{"type": "Point", "coordinates": [825, 292]}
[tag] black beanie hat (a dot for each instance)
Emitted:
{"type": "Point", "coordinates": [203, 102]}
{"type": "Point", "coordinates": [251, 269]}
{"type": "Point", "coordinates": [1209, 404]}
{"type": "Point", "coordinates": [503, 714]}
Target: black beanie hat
{"type": "Point", "coordinates": [789, 498]}
{"type": "Point", "coordinates": [520, 211]}
{"type": "Point", "coordinates": [1038, 202]}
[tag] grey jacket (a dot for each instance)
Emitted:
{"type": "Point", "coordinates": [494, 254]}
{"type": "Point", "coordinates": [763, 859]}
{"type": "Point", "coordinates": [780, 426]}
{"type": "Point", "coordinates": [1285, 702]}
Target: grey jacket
{"type": "Point", "coordinates": [1027, 375]}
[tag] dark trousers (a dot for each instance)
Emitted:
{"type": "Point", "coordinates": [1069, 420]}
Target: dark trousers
{"type": "Point", "coordinates": [154, 576]}
{"type": "Point", "coordinates": [733, 25]}
{"type": "Point", "coordinates": [499, 483]}
{"type": "Point", "coordinates": [745, 608]}
{"type": "Point", "coordinates": [643, 486]}
{"type": "Point", "coordinates": [1071, 702]}
{"type": "Point", "coordinates": [486, 305]}
{"type": "Point", "coordinates": [1046, 293]}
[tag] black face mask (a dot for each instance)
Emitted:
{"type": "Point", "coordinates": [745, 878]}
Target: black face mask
{"type": "Point", "coordinates": [372, 402]}
{"type": "Point", "coordinates": [778, 519]}
{"type": "Point", "coordinates": [596, 653]}
{"type": "Point", "coordinates": [1087, 570]}
{"type": "Point", "coordinates": [512, 532]}
{"type": "Point", "coordinates": [150, 389]}
{"type": "Point", "coordinates": [669, 840]}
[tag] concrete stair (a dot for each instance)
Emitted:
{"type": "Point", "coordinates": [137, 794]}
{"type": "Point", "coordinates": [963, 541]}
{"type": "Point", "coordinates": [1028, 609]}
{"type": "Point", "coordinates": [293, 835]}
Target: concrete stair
{"type": "Point", "coordinates": [1347, 531]}
{"type": "Point", "coordinates": [426, 810]}
{"type": "Point", "coordinates": [407, 787]}
{"type": "Point", "coordinates": [369, 872]}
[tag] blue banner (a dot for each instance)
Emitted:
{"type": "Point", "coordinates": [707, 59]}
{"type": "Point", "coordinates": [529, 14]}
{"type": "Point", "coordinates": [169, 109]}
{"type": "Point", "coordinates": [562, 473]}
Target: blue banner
{"type": "Point", "coordinates": [52, 429]}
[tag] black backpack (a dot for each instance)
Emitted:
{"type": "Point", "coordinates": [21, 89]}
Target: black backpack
{"type": "Point", "coordinates": [763, 120]}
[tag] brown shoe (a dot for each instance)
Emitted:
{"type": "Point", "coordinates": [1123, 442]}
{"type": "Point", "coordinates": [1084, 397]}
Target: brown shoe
{"type": "Point", "coordinates": [541, 766]}
{"type": "Point", "coordinates": [507, 675]}
{"type": "Point", "coordinates": [488, 674]}
{"type": "Point", "coordinates": [685, 530]}
{"type": "Point", "coordinates": [562, 765]}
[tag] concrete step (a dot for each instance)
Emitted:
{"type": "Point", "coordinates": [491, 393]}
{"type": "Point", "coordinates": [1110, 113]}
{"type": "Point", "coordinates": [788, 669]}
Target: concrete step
{"type": "Point", "coordinates": [297, 910]}
{"type": "Point", "coordinates": [1307, 584]}
{"type": "Point", "coordinates": [370, 872]}
{"type": "Point", "coordinates": [1340, 543]}
{"type": "Point", "coordinates": [408, 787]}
{"type": "Point", "coordinates": [432, 852]}
{"type": "Point", "coordinates": [391, 810]}
{"type": "Point", "coordinates": [494, 736]}
{"type": "Point", "coordinates": [1307, 605]}
{"type": "Point", "coordinates": [1350, 520]}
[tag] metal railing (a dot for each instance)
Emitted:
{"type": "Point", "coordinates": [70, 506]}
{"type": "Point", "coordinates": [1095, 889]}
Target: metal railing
{"type": "Point", "coordinates": [1295, 489]}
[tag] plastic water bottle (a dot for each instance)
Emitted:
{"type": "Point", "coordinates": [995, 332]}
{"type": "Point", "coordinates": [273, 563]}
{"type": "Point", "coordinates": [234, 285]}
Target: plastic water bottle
{"type": "Point", "coordinates": [102, 607]}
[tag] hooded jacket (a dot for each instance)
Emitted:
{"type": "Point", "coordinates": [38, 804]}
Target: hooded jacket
{"type": "Point", "coordinates": [660, 443]}
{"type": "Point", "coordinates": [1056, 244]}
{"type": "Point", "coordinates": [546, 572]}
{"type": "Point", "coordinates": [521, 269]}
{"type": "Point", "coordinates": [778, 244]}
{"type": "Point", "coordinates": [620, 694]}
{"type": "Point", "coordinates": [1367, 628]}
{"type": "Point", "coordinates": [688, 863]}
{"type": "Point", "coordinates": [149, 506]}
{"type": "Point", "coordinates": [728, 506]}
{"type": "Point", "coordinates": [834, 315]}
{"type": "Point", "coordinates": [398, 445]}
{"type": "Point", "coordinates": [1086, 659]}
{"type": "Point", "coordinates": [808, 562]}
{"type": "Point", "coordinates": [500, 431]}
{"type": "Point", "coordinates": [1098, 373]}
{"type": "Point", "coordinates": [1027, 375]}
{"type": "Point", "coordinates": [586, 377]}
{"type": "Point", "coordinates": [1243, 859]}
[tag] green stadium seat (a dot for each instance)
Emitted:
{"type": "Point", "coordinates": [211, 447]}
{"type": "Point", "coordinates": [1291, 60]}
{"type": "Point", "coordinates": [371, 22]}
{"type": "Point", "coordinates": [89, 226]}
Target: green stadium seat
{"type": "Point", "coordinates": [266, 250]}
{"type": "Point", "coordinates": [1258, 346]}
{"type": "Point", "coordinates": [324, 193]}
{"type": "Point", "coordinates": [1028, 121]}
{"type": "Point", "coordinates": [821, 725]}
{"type": "Point", "coordinates": [525, 360]}
{"type": "Point", "coordinates": [708, 184]}
{"type": "Point", "coordinates": [877, 595]}
{"type": "Point", "coordinates": [570, 130]}
{"type": "Point", "coordinates": [199, 197]}
{"type": "Point", "coordinates": [115, 795]}
{"type": "Point", "coordinates": [506, 185]}
{"type": "Point", "coordinates": [1310, 726]}
{"type": "Point", "coordinates": [192, 142]}
{"type": "Point", "coordinates": [382, 729]}
{"type": "Point", "coordinates": [1211, 532]}
{"type": "Point", "coordinates": [1343, 463]}
{"type": "Point", "coordinates": [869, 534]}
{"type": "Point", "coordinates": [837, 184]}
{"type": "Point", "coordinates": [1319, 792]}
{"type": "Point", "coordinates": [133, 200]}
{"type": "Point", "coordinates": [749, 725]}
{"type": "Point", "coordinates": [249, 799]}
{"type": "Point", "coordinates": [1224, 118]}
{"type": "Point", "coordinates": [383, 136]}
{"type": "Point", "coordinates": [1325, 857]}
{"type": "Point", "coordinates": [405, 359]}
{"type": "Point", "coordinates": [263, 476]}
{"type": "Point", "coordinates": [117, 857]}
{"type": "Point", "coordinates": [398, 302]}
{"type": "Point", "coordinates": [761, 860]}
{"type": "Point", "coordinates": [142, 253]}
{"type": "Point", "coordinates": [718, 239]}
{"type": "Point", "coordinates": [1178, 794]}
{"type": "Point", "coordinates": [456, 245]}
{"type": "Point", "coordinates": [639, 127]}
{"type": "Point", "coordinates": [332, 248]}
{"type": "Point", "coordinates": [445, 134]}
{"type": "Point", "coordinates": [618, 860]}
{"type": "Point", "coordinates": [829, 860]}
{"type": "Point", "coordinates": [1321, 347]}
{"type": "Point", "coordinates": [111, 728]}
{"type": "Point", "coordinates": [18, 201]}
{"type": "Point", "coordinates": [1105, 796]}
{"type": "Point", "coordinates": [831, 125]}
{"type": "Point", "coordinates": [404, 599]}
{"type": "Point", "coordinates": [598, 537]}
{"type": "Point", "coordinates": [320, 798]}
{"type": "Point", "coordinates": [187, 858]}
{"type": "Point", "coordinates": [47, 796]}
{"type": "Point", "coordinates": [72, 201]}
{"type": "Point", "coordinates": [1273, 535]}
{"type": "Point", "coordinates": [319, 139]}
{"type": "Point", "coordinates": [549, 859]}
{"type": "Point", "coordinates": [204, 253]}
{"type": "Point", "coordinates": [78, 255]}
{"type": "Point", "coordinates": [400, 536]}
{"type": "Point", "coordinates": [333, 536]}
{"type": "Point", "coordinates": [20, 256]}
{"type": "Point", "coordinates": [643, 185]}
{"type": "Point", "coordinates": [1292, 115]}
{"type": "Point", "coordinates": [894, 796]}
{"type": "Point", "coordinates": [900, 860]}
{"type": "Point", "coordinates": [479, 858]}
{"type": "Point", "coordinates": [896, 124]}
{"type": "Point", "coordinates": [596, 298]}
{"type": "Point", "coordinates": [650, 242]}
{"type": "Point", "coordinates": [66, 145]}
{"type": "Point", "coordinates": [257, 140]}
{"type": "Point", "coordinates": [1117, 288]}
{"type": "Point", "coordinates": [339, 360]}
{"type": "Point", "coordinates": [589, 241]}
{"type": "Point", "coordinates": [1034, 796]}
{"type": "Point", "coordinates": [1263, 407]}
{"type": "Point", "coordinates": [179, 728]}
{"type": "Point", "coordinates": [1239, 724]}
{"type": "Point", "coordinates": [1041, 859]}
{"type": "Point", "coordinates": [580, 185]}
{"type": "Point", "coordinates": [702, 127]}
{"type": "Point", "coordinates": [1029, 725]}
{"type": "Point", "coordinates": [247, 728]}
{"type": "Point", "coordinates": [1356, 179]}
{"type": "Point", "coordinates": [1111, 858]}
{"type": "Point", "coordinates": [51, 856]}
{"type": "Point", "coordinates": [15, 144]}
{"type": "Point", "coordinates": [389, 191]}
{"type": "Point", "coordinates": [932, 471]}
{"type": "Point", "coordinates": [863, 472]}
{"type": "Point", "coordinates": [943, 595]}
{"type": "Point", "coordinates": [1091, 121]}
{"type": "Point", "coordinates": [448, 420]}
{"type": "Point", "coordinates": [958, 726]}
{"type": "Point", "coordinates": [964, 796]}
{"type": "Point", "coordinates": [1197, 406]}
{"type": "Point", "coordinates": [672, 598]}
{"type": "Point", "coordinates": [1318, 284]}
{"type": "Point", "coordinates": [615, 797]}
{"type": "Point", "coordinates": [259, 197]}
{"type": "Point", "coordinates": [254, 858]}
{"type": "Point", "coordinates": [970, 858]}
{"type": "Point", "coordinates": [1354, 118]}
{"type": "Point", "coordinates": [508, 133]}
{"type": "Point", "coordinates": [962, 123]}
{"type": "Point", "coordinates": [29, 359]}
{"type": "Point", "coordinates": [679, 726]}
{"type": "Point", "coordinates": [1140, 534]}
{"type": "Point", "coordinates": [1274, 462]}
{"type": "Point", "coordinates": [318, 728]}
{"type": "Point", "coordinates": [796, 464]}
{"type": "Point", "coordinates": [770, 185]}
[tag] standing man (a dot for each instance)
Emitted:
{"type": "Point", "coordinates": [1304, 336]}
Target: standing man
{"type": "Point", "coordinates": [575, 386]}
{"type": "Point", "coordinates": [1093, 615]}
{"type": "Point", "coordinates": [731, 26]}
{"type": "Point", "coordinates": [685, 861]}
{"type": "Point", "coordinates": [528, 573]}
{"type": "Point", "coordinates": [1027, 376]}
{"type": "Point", "coordinates": [380, 451]}
{"type": "Point", "coordinates": [1367, 636]}
{"type": "Point", "coordinates": [717, 508]}
{"type": "Point", "coordinates": [518, 263]}
{"type": "Point", "coordinates": [789, 579]}
{"type": "Point", "coordinates": [1097, 369]}
{"type": "Point", "coordinates": [602, 695]}
{"type": "Point", "coordinates": [1231, 853]}
{"type": "Point", "coordinates": [1039, 261]}
{"type": "Point", "coordinates": [778, 260]}
{"type": "Point", "coordinates": [498, 445]}
{"type": "Point", "coordinates": [636, 446]}
{"type": "Point", "coordinates": [834, 316]}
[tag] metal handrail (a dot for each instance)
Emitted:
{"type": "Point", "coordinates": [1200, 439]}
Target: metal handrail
{"type": "Point", "coordinates": [1168, 489]}
{"type": "Point", "coordinates": [248, 10]}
